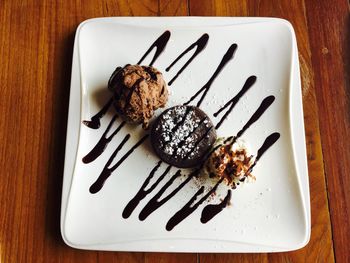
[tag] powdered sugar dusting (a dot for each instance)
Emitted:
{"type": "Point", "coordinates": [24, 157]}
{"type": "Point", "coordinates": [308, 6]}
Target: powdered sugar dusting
{"type": "Point", "coordinates": [178, 126]}
{"type": "Point", "coordinates": [182, 135]}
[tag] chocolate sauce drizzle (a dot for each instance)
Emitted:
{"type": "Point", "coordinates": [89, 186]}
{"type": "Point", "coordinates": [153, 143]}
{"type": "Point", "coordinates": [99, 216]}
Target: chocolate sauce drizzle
{"type": "Point", "coordinates": [269, 141]}
{"type": "Point", "coordinates": [159, 44]}
{"type": "Point", "coordinates": [106, 172]}
{"type": "Point", "coordinates": [155, 203]}
{"type": "Point", "coordinates": [142, 193]}
{"type": "Point", "coordinates": [103, 142]}
{"type": "Point", "coordinates": [189, 208]}
{"type": "Point", "coordinates": [265, 104]}
{"type": "Point", "coordinates": [211, 210]}
{"type": "Point", "coordinates": [226, 58]}
{"type": "Point", "coordinates": [200, 44]}
{"type": "Point", "coordinates": [95, 123]}
{"type": "Point", "coordinates": [247, 85]}
{"type": "Point", "coordinates": [115, 74]}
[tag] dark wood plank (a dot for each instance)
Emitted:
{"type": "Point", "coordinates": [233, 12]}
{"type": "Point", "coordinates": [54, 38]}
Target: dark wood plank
{"type": "Point", "coordinates": [320, 247]}
{"type": "Point", "coordinates": [329, 30]}
{"type": "Point", "coordinates": [36, 43]}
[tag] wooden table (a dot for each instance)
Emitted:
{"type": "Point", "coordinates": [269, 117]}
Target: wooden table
{"type": "Point", "coordinates": [36, 42]}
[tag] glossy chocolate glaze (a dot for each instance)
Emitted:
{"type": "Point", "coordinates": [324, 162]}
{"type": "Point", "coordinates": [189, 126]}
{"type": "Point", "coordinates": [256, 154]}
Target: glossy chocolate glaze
{"type": "Point", "coordinates": [226, 58]}
{"type": "Point", "coordinates": [232, 102]}
{"type": "Point", "coordinates": [107, 171]}
{"type": "Point", "coordinates": [211, 210]}
{"type": "Point", "coordinates": [159, 44]}
{"type": "Point", "coordinates": [200, 44]}
{"type": "Point", "coordinates": [94, 122]}
{"type": "Point", "coordinates": [103, 142]}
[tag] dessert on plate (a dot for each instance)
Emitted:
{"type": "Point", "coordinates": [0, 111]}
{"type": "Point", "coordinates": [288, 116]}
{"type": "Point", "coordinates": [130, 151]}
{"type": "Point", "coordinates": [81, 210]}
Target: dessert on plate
{"type": "Point", "coordinates": [182, 136]}
{"type": "Point", "coordinates": [230, 160]}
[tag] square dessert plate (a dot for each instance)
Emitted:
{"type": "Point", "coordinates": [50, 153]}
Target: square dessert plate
{"type": "Point", "coordinates": [269, 214]}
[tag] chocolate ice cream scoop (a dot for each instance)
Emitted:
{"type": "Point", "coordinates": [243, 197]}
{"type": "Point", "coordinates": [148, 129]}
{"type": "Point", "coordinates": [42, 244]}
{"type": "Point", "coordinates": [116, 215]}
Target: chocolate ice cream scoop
{"type": "Point", "coordinates": [138, 92]}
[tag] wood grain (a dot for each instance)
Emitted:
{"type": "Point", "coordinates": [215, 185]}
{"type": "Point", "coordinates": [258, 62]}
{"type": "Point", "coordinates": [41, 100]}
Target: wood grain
{"type": "Point", "coordinates": [36, 42]}
{"type": "Point", "coordinates": [329, 30]}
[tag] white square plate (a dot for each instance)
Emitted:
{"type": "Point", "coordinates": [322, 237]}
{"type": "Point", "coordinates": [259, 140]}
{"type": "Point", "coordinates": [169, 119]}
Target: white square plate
{"type": "Point", "coordinates": [271, 214]}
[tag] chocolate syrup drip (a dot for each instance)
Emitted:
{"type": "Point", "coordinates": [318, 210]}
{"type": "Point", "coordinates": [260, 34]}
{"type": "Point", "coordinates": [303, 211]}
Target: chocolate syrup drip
{"type": "Point", "coordinates": [106, 172]}
{"type": "Point", "coordinates": [114, 75]}
{"type": "Point", "coordinates": [247, 85]}
{"type": "Point", "coordinates": [226, 58]}
{"type": "Point", "coordinates": [212, 210]}
{"type": "Point", "coordinates": [159, 44]}
{"type": "Point", "coordinates": [200, 44]}
{"type": "Point", "coordinates": [94, 123]}
{"type": "Point", "coordinates": [265, 104]}
{"type": "Point", "coordinates": [150, 72]}
{"type": "Point", "coordinates": [155, 203]}
{"type": "Point", "coordinates": [269, 141]}
{"type": "Point", "coordinates": [103, 142]}
{"type": "Point", "coordinates": [142, 193]}
{"type": "Point", "coordinates": [189, 208]}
